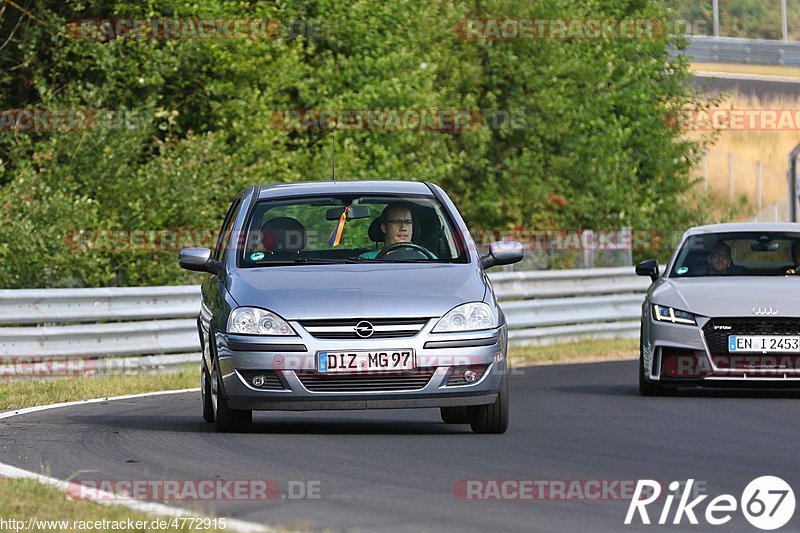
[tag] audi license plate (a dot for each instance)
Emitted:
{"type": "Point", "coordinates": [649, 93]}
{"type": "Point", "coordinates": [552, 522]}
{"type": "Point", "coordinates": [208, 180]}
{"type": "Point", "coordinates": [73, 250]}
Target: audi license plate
{"type": "Point", "coordinates": [365, 361]}
{"type": "Point", "coordinates": [764, 343]}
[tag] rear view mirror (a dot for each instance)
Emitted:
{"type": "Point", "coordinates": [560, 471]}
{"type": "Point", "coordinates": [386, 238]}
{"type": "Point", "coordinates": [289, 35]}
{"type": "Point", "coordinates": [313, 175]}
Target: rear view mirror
{"type": "Point", "coordinates": [765, 246]}
{"type": "Point", "coordinates": [356, 211]}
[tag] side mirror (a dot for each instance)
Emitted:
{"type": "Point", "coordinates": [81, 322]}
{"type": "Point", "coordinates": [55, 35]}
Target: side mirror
{"type": "Point", "coordinates": [648, 268]}
{"type": "Point", "coordinates": [198, 260]}
{"type": "Point", "coordinates": [503, 253]}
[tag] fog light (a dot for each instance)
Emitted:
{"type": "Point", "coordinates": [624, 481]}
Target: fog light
{"type": "Point", "coordinates": [470, 376]}
{"type": "Point", "coordinates": [258, 381]}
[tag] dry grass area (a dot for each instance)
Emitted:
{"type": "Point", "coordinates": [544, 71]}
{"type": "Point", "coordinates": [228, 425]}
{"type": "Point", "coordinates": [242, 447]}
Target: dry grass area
{"type": "Point", "coordinates": [770, 147]}
{"type": "Point", "coordinates": [763, 70]}
{"type": "Point", "coordinates": [575, 352]}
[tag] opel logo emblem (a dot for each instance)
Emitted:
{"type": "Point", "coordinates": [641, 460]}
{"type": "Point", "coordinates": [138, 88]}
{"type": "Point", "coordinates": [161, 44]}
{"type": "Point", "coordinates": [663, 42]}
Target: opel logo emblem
{"type": "Point", "coordinates": [364, 329]}
{"type": "Point", "coordinates": [765, 311]}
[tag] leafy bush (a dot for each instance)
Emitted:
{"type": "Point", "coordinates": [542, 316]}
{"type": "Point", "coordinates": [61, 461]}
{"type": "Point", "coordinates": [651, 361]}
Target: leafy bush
{"type": "Point", "coordinates": [592, 145]}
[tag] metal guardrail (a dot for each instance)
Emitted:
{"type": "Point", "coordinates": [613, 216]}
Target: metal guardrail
{"type": "Point", "coordinates": [546, 307]}
{"type": "Point", "coordinates": [97, 328]}
{"type": "Point", "coordinates": [744, 51]}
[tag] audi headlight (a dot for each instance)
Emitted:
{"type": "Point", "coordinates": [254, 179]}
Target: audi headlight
{"type": "Point", "coordinates": [255, 321]}
{"type": "Point", "coordinates": [662, 313]}
{"type": "Point", "coordinates": [467, 317]}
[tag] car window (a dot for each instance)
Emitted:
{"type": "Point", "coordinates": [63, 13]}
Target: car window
{"type": "Point", "coordinates": [737, 254]}
{"type": "Point", "coordinates": [311, 228]}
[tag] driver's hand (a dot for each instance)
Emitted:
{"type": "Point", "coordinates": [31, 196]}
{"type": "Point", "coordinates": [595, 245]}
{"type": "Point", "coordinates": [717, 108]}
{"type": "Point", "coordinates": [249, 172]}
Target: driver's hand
{"type": "Point", "coordinates": [791, 272]}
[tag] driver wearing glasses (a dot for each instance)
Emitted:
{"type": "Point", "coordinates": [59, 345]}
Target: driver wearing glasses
{"type": "Point", "coordinates": [397, 225]}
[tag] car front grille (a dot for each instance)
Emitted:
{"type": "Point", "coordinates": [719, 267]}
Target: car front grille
{"type": "Point", "coordinates": [367, 382]}
{"type": "Point", "coordinates": [716, 334]}
{"type": "Point", "coordinates": [382, 328]}
{"type": "Point", "coordinates": [717, 337]}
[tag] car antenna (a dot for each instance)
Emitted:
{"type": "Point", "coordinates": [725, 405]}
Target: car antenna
{"type": "Point", "coordinates": [333, 151]}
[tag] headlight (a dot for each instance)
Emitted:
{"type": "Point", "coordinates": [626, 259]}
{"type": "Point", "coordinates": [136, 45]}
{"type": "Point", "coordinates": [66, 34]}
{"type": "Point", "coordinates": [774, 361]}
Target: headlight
{"type": "Point", "coordinates": [255, 321]}
{"type": "Point", "coordinates": [467, 317]}
{"type": "Point", "coordinates": [662, 313]}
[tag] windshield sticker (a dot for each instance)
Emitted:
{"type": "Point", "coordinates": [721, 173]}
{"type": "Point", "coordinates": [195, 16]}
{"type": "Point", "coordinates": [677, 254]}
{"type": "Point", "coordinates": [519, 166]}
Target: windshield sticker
{"type": "Point", "coordinates": [256, 256]}
{"type": "Point", "coordinates": [683, 270]}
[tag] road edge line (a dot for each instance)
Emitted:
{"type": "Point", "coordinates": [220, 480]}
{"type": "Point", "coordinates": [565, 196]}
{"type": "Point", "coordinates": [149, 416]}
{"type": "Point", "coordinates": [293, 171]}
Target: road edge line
{"type": "Point", "coordinates": [107, 498]}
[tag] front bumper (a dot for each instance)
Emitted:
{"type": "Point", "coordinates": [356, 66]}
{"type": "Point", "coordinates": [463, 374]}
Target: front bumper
{"type": "Point", "coordinates": [290, 362]}
{"type": "Point", "coordinates": [679, 356]}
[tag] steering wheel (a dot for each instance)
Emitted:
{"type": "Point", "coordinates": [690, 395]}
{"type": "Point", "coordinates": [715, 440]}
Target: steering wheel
{"type": "Point", "coordinates": [410, 245]}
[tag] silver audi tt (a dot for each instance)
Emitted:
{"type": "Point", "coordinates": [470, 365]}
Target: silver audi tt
{"type": "Point", "coordinates": [725, 312]}
{"type": "Point", "coordinates": [350, 295]}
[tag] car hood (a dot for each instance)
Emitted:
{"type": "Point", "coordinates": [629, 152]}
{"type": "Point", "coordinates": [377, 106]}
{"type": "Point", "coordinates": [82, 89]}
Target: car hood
{"type": "Point", "coordinates": [730, 297]}
{"type": "Point", "coordinates": [357, 291]}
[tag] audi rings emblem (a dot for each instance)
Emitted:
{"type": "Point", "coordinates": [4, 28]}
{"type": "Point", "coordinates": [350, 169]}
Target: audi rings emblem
{"type": "Point", "coordinates": [765, 311]}
{"type": "Point", "coordinates": [364, 329]}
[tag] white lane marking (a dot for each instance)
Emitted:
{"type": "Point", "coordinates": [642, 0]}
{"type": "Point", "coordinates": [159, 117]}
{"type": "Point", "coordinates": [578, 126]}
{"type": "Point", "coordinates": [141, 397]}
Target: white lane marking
{"type": "Point", "coordinates": [107, 498]}
{"type": "Point", "coordinates": [26, 410]}
{"type": "Point", "coordinates": [740, 76]}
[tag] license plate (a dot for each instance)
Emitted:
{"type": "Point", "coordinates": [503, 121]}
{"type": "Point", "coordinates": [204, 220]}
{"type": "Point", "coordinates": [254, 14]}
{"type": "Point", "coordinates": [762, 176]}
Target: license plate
{"type": "Point", "coordinates": [764, 343]}
{"type": "Point", "coordinates": [365, 361]}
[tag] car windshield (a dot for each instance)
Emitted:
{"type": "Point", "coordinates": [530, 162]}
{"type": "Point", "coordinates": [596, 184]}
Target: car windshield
{"type": "Point", "coordinates": [349, 229]}
{"type": "Point", "coordinates": [764, 253]}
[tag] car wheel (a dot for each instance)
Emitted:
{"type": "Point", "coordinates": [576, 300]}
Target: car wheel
{"type": "Point", "coordinates": [492, 418]}
{"type": "Point", "coordinates": [225, 418]}
{"type": "Point", "coordinates": [205, 389]}
{"type": "Point", "coordinates": [646, 387]}
{"type": "Point", "coordinates": [455, 415]}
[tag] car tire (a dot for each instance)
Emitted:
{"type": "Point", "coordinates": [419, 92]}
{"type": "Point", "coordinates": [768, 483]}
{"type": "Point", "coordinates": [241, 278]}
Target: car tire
{"type": "Point", "coordinates": [227, 420]}
{"type": "Point", "coordinates": [205, 390]}
{"type": "Point", "coordinates": [491, 418]}
{"type": "Point", "coordinates": [455, 415]}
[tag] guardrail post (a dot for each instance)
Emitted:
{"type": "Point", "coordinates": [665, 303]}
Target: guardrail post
{"type": "Point", "coordinates": [784, 23]}
{"type": "Point", "coordinates": [758, 184]}
{"type": "Point", "coordinates": [730, 176]}
{"type": "Point", "coordinates": [587, 240]}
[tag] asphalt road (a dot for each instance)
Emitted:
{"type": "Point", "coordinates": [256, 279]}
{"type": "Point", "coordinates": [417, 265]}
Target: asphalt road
{"type": "Point", "coordinates": [396, 470]}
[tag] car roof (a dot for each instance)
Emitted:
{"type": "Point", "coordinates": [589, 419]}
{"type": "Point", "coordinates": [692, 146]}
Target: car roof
{"type": "Point", "coordinates": [303, 188]}
{"type": "Point", "coordinates": [731, 227]}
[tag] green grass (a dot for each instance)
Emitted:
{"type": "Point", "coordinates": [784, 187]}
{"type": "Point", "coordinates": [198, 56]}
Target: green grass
{"type": "Point", "coordinates": [30, 392]}
{"type": "Point", "coordinates": [24, 499]}
{"type": "Point", "coordinates": [583, 351]}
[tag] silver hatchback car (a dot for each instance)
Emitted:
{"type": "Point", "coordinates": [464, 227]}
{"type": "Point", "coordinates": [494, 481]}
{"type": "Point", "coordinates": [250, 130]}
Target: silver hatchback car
{"type": "Point", "coordinates": [350, 295]}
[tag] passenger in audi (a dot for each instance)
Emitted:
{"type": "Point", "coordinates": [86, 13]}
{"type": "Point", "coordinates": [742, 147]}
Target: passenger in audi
{"type": "Point", "coordinates": [795, 259]}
